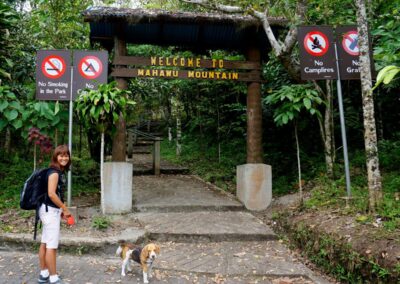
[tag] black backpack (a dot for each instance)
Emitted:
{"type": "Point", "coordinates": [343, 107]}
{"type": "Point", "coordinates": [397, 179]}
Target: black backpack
{"type": "Point", "coordinates": [34, 190]}
{"type": "Point", "coordinates": [34, 193]}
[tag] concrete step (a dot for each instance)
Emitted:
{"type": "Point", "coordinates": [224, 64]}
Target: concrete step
{"type": "Point", "coordinates": [171, 266]}
{"type": "Point", "coordinates": [205, 226]}
{"type": "Point", "coordinates": [141, 170]}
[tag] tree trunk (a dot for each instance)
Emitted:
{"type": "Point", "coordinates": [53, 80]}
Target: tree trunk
{"type": "Point", "coordinates": [370, 138]}
{"type": "Point", "coordinates": [328, 126]}
{"type": "Point", "coordinates": [178, 135]}
{"type": "Point", "coordinates": [298, 164]}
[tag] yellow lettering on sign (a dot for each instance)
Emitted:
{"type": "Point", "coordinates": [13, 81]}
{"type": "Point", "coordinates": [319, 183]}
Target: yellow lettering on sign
{"type": "Point", "coordinates": [160, 61]}
{"type": "Point", "coordinates": [140, 72]}
{"type": "Point", "coordinates": [154, 72]}
{"type": "Point", "coordinates": [175, 73]}
{"type": "Point", "coordinates": [235, 76]}
{"type": "Point", "coordinates": [197, 62]}
{"type": "Point", "coordinates": [183, 62]}
{"type": "Point", "coordinates": [148, 72]}
{"type": "Point", "coordinates": [161, 73]}
{"type": "Point", "coordinates": [167, 62]}
{"type": "Point", "coordinates": [168, 73]}
{"type": "Point", "coordinates": [153, 60]}
{"type": "Point", "coordinates": [217, 73]}
{"type": "Point", "coordinates": [174, 61]}
{"type": "Point", "coordinates": [224, 75]}
{"type": "Point", "coordinates": [190, 62]}
{"type": "Point", "coordinates": [190, 74]}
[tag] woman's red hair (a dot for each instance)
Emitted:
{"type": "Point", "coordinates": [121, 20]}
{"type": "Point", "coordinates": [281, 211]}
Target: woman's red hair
{"type": "Point", "coordinates": [60, 150]}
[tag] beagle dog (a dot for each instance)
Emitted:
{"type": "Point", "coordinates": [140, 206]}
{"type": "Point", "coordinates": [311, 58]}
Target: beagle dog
{"type": "Point", "coordinates": [144, 256]}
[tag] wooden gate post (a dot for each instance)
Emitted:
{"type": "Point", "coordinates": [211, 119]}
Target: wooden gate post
{"type": "Point", "coordinates": [254, 114]}
{"type": "Point", "coordinates": [119, 140]}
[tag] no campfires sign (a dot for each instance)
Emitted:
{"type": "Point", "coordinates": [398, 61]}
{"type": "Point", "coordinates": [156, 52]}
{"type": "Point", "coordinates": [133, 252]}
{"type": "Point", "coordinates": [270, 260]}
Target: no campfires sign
{"type": "Point", "coordinates": [316, 43]}
{"type": "Point", "coordinates": [317, 56]}
{"type": "Point", "coordinates": [53, 81]}
{"type": "Point", "coordinates": [90, 69]}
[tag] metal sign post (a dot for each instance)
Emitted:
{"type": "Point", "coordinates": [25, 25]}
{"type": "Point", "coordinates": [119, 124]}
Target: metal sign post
{"type": "Point", "coordinates": [342, 126]}
{"type": "Point", "coordinates": [71, 104]}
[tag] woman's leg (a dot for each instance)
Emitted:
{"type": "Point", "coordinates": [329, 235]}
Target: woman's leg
{"type": "Point", "coordinates": [42, 256]}
{"type": "Point", "coordinates": [51, 260]}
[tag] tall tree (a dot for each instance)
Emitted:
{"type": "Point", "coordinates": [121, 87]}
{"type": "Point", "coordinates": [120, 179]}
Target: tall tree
{"type": "Point", "coordinates": [370, 136]}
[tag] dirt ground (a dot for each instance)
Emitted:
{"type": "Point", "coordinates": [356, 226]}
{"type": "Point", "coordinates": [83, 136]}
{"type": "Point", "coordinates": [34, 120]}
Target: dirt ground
{"type": "Point", "coordinates": [88, 215]}
{"type": "Point", "coordinates": [370, 240]}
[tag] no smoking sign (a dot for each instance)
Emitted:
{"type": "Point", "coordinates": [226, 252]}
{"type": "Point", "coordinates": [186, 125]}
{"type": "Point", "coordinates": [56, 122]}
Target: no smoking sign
{"type": "Point", "coordinates": [53, 66]}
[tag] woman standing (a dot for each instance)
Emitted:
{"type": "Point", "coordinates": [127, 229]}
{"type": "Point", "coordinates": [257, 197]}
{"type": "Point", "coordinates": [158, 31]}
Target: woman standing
{"type": "Point", "coordinates": [51, 212]}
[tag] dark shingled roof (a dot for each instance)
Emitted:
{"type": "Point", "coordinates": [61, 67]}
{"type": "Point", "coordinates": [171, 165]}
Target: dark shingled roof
{"type": "Point", "coordinates": [186, 29]}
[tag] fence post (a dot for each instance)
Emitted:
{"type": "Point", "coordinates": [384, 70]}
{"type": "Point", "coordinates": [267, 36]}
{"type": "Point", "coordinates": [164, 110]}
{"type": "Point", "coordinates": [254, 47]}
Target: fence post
{"type": "Point", "coordinates": [130, 144]}
{"type": "Point", "coordinates": [156, 156]}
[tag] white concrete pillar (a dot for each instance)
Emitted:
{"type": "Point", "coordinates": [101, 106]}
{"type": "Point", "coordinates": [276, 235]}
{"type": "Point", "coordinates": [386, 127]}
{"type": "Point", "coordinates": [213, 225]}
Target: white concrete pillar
{"type": "Point", "coordinates": [117, 188]}
{"type": "Point", "coordinates": [254, 186]}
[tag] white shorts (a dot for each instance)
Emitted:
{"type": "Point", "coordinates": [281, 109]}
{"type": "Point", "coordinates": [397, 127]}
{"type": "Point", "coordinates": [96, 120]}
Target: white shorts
{"type": "Point", "coordinates": [51, 226]}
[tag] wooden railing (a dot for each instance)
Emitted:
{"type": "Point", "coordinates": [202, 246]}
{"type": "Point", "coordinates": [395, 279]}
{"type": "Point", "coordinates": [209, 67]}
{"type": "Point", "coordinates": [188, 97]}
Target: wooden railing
{"type": "Point", "coordinates": [133, 134]}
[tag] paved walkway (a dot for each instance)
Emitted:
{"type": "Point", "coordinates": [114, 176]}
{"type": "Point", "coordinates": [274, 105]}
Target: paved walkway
{"type": "Point", "coordinates": [205, 235]}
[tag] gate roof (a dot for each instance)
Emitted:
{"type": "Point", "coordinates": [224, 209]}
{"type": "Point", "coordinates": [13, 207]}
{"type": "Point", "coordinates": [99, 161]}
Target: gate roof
{"type": "Point", "coordinates": [199, 31]}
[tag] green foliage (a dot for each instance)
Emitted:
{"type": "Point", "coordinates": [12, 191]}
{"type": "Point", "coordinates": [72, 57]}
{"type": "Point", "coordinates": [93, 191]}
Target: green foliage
{"type": "Point", "coordinates": [47, 116]}
{"type": "Point", "coordinates": [8, 20]}
{"type": "Point", "coordinates": [59, 24]}
{"type": "Point", "coordinates": [101, 222]}
{"type": "Point", "coordinates": [11, 109]}
{"type": "Point", "coordinates": [13, 173]}
{"type": "Point", "coordinates": [386, 75]}
{"type": "Point", "coordinates": [103, 106]}
{"type": "Point", "coordinates": [85, 177]}
{"type": "Point", "coordinates": [289, 101]}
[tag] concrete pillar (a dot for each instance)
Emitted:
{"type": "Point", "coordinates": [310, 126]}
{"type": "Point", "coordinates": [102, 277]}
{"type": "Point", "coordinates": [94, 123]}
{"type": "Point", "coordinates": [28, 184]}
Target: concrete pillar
{"type": "Point", "coordinates": [254, 186]}
{"type": "Point", "coordinates": [117, 188]}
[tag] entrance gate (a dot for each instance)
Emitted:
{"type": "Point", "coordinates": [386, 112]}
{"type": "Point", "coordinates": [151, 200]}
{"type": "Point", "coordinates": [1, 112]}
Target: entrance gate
{"type": "Point", "coordinates": [115, 27]}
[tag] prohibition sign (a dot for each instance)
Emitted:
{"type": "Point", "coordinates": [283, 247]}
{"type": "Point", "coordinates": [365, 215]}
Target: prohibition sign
{"type": "Point", "coordinates": [90, 67]}
{"type": "Point", "coordinates": [350, 43]}
{"type": "Point", "coordinates": [53, 66]}
{"type": "Point", "coordinates": [316, 43]}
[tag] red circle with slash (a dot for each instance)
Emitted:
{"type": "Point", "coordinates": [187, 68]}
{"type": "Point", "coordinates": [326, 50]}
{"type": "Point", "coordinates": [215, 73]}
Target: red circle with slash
{"type": "Point", "coordinates": [316, 43]}
{"type": "Point", "coordinates": [90, 67]}
{"type": "Point", "coordinates": [53, 66]}
{"type": "Point", "coordinates": [350, 43]}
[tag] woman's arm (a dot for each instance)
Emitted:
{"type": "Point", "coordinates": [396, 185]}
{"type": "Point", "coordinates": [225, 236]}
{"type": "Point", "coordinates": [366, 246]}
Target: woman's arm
{"type": "Point", "coordinates": [51, 190]}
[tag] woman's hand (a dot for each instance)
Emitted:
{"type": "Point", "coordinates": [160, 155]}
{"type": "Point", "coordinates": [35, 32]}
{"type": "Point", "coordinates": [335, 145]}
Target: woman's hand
{"type": "Point", "coordinates": [65, 214]}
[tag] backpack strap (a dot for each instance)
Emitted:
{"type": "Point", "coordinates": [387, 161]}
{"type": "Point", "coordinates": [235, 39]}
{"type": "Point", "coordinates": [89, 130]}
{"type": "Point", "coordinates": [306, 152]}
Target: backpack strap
{"type": "Point", "coordinates": [37, 219]}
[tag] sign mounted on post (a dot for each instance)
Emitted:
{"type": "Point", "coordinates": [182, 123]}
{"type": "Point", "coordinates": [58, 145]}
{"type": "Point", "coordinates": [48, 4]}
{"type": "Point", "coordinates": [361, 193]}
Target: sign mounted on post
{"type": "Point", "coordinates": [53, 81]}
{"type": "Point", "coordinates": [348, 52]}
{"type": "Point", "coordinates": [317, 56]}
{"type": "Point", "coordinates": [90, 69]}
